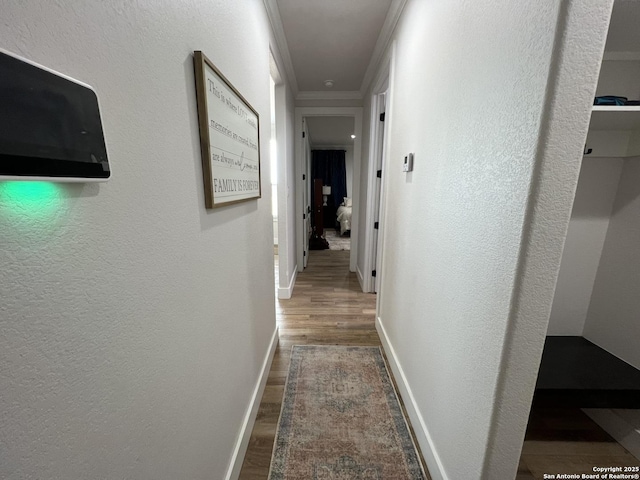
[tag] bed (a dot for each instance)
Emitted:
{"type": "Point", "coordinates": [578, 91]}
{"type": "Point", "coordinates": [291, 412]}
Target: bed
{"type": "Point", "coordinates": [343, 216]}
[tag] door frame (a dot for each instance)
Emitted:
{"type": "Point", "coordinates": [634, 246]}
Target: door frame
{"type": "Point", "coordinates": [306, 193]}
{"type": "Point", "coordinates": [373, 241]}
{"type": "Point", "coordinates": [378, 150]}
{"type": "Point", "coordinates": [302, 112]}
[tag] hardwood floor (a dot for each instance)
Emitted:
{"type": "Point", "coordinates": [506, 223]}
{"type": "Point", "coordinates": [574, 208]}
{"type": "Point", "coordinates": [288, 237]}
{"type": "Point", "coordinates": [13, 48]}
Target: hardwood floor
{"type": "Point", "coordinates": [328, 307]}
{"type": "Point", "coordinates": [566, 440]}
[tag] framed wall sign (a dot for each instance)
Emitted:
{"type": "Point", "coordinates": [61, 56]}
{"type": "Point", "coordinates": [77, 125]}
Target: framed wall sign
{"type": "Point", "coordinates": [229, 138]}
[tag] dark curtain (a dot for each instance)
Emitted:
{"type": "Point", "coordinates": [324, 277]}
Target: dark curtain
{"type": "Point", "coordinates": [329, 166]}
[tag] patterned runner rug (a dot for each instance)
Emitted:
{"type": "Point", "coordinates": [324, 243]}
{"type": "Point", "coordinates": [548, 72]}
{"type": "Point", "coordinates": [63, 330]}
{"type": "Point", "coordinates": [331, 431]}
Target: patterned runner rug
{"type": "Point", "coordinates": [341, 419]}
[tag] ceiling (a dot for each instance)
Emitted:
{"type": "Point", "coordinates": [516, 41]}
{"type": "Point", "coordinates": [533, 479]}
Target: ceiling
{"type": "Point", "coordinates": [344, 40]}
{"type": "Point", "coordinates": [330, 131]}
{"type": "Point", "coordinates": [339, 40]}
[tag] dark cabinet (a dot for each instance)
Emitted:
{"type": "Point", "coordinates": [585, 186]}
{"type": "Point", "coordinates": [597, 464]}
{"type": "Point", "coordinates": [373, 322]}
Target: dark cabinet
{"type": "Point", "coordinates": [330, 216]}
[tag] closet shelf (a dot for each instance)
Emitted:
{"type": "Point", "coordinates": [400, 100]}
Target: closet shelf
{"type": "Point", "coordinates": [609, 117]}
{"type": "Point", "coordinates": [575, 372]}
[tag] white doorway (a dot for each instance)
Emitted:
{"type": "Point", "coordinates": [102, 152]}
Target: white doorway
{"type": "Point", "coordinates": [374, 224]}
{"type": "Point", "coordinates": [306, 194]}
{"type": "Point", "coordinates": [282, 179]}
{"type": "Point", "coordinates": [303, 192]}
{"type": "Point", "coordinates": [379, 118]}
{"type": "Point", "coordinates": [273, 157]}
{"type": "Point", "coordinates": [332, 139]}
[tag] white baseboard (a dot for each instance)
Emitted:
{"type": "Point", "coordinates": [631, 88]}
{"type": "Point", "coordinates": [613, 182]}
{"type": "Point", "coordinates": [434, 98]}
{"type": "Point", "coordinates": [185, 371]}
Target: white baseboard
{"type": "Point", "coordinates": [250, 417]}
{"type": "Point", "coordinates": [613, 422]}
{"type": "Point", "coordinates": [431, 457]}
{"type": "Point", "coordinates": [286, 292]}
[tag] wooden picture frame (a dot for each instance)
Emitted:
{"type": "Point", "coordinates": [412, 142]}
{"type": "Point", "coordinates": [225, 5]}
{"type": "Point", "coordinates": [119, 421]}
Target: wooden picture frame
{"type": "Point", "coordinates": [229, 138]}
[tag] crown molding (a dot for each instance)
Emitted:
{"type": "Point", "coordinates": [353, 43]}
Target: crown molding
{"type": "Point", "coordinates": [386, 32]}
{"type": "Point", "coordinates": [281, 42]}
{"type": "Point", "coordinates": [330, 95]}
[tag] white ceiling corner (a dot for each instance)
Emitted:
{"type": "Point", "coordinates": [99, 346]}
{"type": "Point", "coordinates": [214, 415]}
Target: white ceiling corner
{"type": "Point", "coordinates": [395, 10]}
{"type": "Point", "coordinates": [281, 43]}
{"type": "Point", "coordinates": [332, 39]}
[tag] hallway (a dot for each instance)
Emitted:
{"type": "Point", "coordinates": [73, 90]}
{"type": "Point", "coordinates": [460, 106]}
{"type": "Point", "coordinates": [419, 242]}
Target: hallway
{"type": "Point", "coordinates": [327, 307]}
{"type": "Point", "coordinates": [139, 324]}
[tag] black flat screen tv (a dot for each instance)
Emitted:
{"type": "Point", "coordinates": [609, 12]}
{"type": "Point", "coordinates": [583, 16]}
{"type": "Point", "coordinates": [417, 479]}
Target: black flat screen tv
{"type": "Point", "coordinates": [50, 126]}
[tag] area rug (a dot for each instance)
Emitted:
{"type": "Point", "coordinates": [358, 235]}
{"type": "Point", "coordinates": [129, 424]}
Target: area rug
{"type": "Point", "coordinates": [341, 419]}
{"type": "Point", "coordinates": [336, 242]}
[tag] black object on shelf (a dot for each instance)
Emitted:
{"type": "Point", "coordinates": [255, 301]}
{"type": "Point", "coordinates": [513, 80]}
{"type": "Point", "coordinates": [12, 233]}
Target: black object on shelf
{"type": "Point", "coordinates": [610, 100]}
{"type": "Point", "coordinates": [616, 101]}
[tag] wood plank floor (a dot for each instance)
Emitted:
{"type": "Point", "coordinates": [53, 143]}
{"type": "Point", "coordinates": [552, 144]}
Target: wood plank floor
{"type": "Point", "coordinates": [328, 307]}
{"type": "Point", "coordinates": [566, 440]}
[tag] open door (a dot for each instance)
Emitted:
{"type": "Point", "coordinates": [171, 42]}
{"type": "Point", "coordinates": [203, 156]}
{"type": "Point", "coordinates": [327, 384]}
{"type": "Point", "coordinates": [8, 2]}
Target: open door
{"type": "Point", "coordinates": [306, 195]}
{"type": "Point", "coordinates": [376, 243]}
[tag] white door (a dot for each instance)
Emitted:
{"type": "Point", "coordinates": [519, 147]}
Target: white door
{"type": "Point", "coordinates": [377, 245]}
{"type": "Point", "coordinates": [306, 193]}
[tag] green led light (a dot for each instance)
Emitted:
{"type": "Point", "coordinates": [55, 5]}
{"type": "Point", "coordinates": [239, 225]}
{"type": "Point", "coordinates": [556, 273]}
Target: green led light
{"type": "Point", "coordinates": [30, 199]}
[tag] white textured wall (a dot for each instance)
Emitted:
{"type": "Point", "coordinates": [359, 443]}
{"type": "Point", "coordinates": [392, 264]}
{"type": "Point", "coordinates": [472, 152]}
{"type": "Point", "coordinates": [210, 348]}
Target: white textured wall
{"type": "Point", "coordinates": [592, 207]}
{"type": "Point", "coordinates": [619, 78]}
{"type": "Point", "coordinates": [473, 236]}
{"type": "Point", "coordinates": [133, 322]}
{"type": "Point", "coordinates": [348, 164]}
{"type": "Point", "coordinates": [612, 321]}
{"type": "Point", "coordinates": [286, 184]}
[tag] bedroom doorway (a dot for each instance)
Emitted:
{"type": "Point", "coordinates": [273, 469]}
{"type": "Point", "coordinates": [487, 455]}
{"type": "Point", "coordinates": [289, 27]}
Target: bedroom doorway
{"type": "Point", "coordinates": [329, 150]}
{"type": "Point", "coordinates": [331, 174]}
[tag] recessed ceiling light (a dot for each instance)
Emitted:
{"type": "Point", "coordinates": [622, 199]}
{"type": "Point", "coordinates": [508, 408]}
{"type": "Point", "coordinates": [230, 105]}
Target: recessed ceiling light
{"type": "Point", "coordinates": [328, 83]}
{"type": "Point", "coordinates": [353, 136]}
